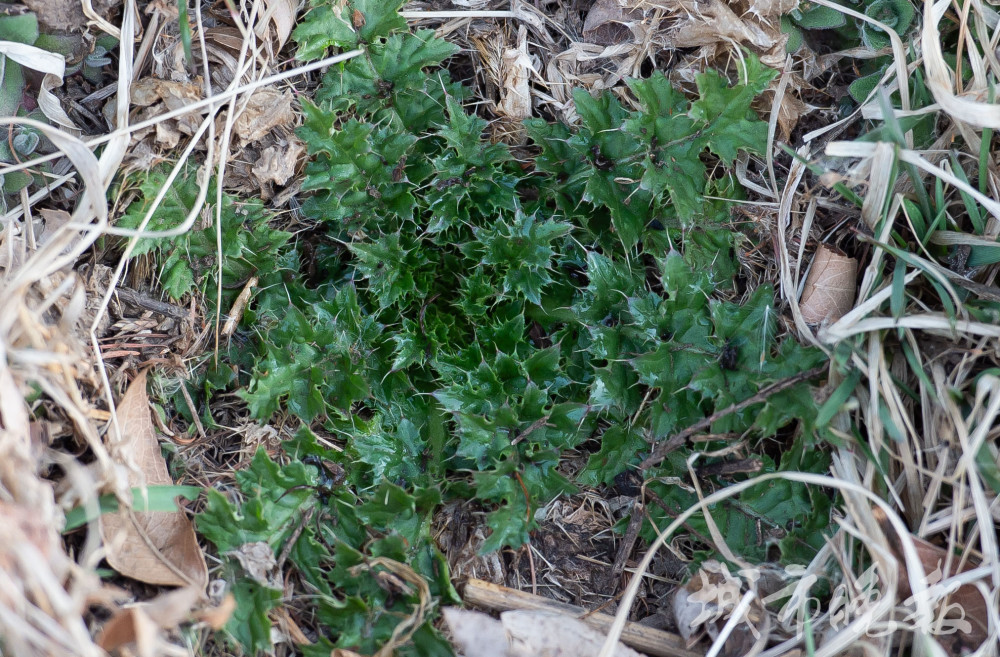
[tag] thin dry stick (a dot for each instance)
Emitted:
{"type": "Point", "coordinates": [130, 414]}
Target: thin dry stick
{"type": "Point", "coordinates": [679, 439]}
{"type": "Point", "coordinates": [628, 542]}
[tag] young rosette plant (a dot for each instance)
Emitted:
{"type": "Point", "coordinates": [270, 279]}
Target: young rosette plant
{"type": "Point", "coordinates": [468, 319]}
{"type": "Point", "coordinates": [897, 15]}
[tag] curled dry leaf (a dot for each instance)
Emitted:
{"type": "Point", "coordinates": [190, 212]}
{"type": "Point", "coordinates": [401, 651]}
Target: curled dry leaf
{"type": "Point", "coordinates": [53, 67]}
{"type": "Point", "coordinates": [829, 290]}
{"type": "Point", "coordinates": [175, 95]}
{"type": "Point", "coordinates": [789, 113]}
{"type": "Point", "coordinates": [153, 547]}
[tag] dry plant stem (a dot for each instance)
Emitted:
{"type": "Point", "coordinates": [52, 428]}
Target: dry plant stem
{"type": "Point", "coordinates": [658, 643]}
{"type": "Point", "coordinates": [531, 565]}
{"type": "Point", "coordinates": [661, 451]}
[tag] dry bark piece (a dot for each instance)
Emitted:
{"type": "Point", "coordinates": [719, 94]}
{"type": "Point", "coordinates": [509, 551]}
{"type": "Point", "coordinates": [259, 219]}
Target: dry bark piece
{"type": "Point", "coordinates": [606, 23]}
{"type": "Point", "coordinates": [156, 547]}
{"type": "Point", "coordinates": [830, 286]}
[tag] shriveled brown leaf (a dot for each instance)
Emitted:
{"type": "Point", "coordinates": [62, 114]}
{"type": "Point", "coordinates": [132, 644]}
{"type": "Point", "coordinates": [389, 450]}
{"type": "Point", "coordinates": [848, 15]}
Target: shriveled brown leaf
{"type": "Point", "coordinates": [772, 10]}
{"type": "Point", "coordinates": [789, 113]}
{"type": "Point", "coordinates": [266, 110]}
{"type": "Point", "coordinates": [258, 561]}
{"type": "Point", "coordinates": [217, 617]}
{"type": "Point", "coordinates": [155, 547]}
{"type": "Point", "coordinates": [829, 290]}
{"type": "Point", "coordinates": [143, 624]}
{"type": "Point", "coordinates": [289, 627]}
{"type": "Point", "coordinates": [967, 611]}
{"type": "Point", "coordinates": [175, 95]}
{"type": "Point", "coordinates": [717, 23]}
{"type": "Point", "coordinates": [66, 15]}
{"type": "Point", "coordinates": [277, 163]}
{"type": "Point", "coordinates": [606, 22]}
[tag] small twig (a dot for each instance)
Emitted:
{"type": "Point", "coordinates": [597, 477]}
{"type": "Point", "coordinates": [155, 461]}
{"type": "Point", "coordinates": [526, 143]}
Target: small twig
{"type": "Point", "coordinates": [679, 439]}
{"type": "Point", "coordinates": [194, 410]}
{"type": "Point", "coordinates": [290, 543]}
{"type": "Point", "coordinates": [537, 424]}
{"type": "Point", "coordinates": [725, 468]}
{"type": "Point", "coordinates": [628, 542]}
{"type": "Point", "coordinates": [133, 298]}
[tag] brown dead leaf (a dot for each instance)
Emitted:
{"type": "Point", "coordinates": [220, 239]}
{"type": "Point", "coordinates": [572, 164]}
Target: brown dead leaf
{"type": "Point", "coordinates": [217, 617]}
{"type": "Point", "coordinates": [789, 113]}
{"type": "Point", "coordinates": [772, 10]}
{"type": "Point", "coordinates": [606, 22]}
{"type": "Point", "coordinates": [156, 547]}
{"type": "Point", "coordinates": [266, 110]}
{"type": "Point", "coordinates": [967, 614]}
{"type": "Point", "coordinates": [704, 605]}
{"type": "Point", "coordinates": [175, 95]}
{"type": "Point", "coordinates": [44, 229]}
{"type": "Point", "coordinates": [289, 627]}
{"type": "Point", "coordinates": [143, 624]}
{"type": "Point", "coordinates": [829, 290]}
{"type": "Point", "coordinates": [717, 23]}
{"type": "Point", "coordinates": [282, 15]}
